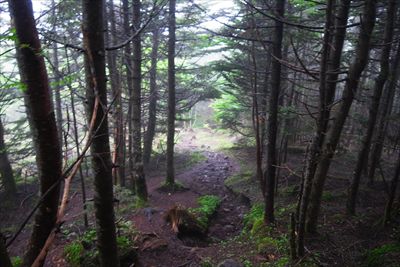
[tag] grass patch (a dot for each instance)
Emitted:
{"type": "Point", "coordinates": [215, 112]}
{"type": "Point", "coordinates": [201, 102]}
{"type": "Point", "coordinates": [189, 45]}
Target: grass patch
{"type": "Point", "coordinates": [242, 177]}
{"type": "Point", "coordinates": [378, 256]}
{"type": "Point", "coordinates": [196, 157]}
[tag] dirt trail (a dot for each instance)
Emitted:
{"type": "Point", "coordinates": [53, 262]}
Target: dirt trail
{"type": "Point", "coordinates": [206, 177]}
{"type": "Point", "coordinates": [160, 246]}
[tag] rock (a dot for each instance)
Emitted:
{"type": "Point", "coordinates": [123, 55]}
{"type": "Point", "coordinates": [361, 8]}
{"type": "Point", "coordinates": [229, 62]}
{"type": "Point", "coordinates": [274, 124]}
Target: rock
{"type": "Point", "coordinates": [230, 263]}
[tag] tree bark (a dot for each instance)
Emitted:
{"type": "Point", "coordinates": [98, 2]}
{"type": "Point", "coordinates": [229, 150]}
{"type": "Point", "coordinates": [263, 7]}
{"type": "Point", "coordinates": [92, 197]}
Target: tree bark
{"type": "Point", "coordinates": [42, 122]}
{"type": "Point", "coordinates": [384, 110]}
{"type": "Point", "coordinates": [270, 171]}
{"type": "Point", "coordinates": [77, 144]}
{"type": "Point", "coordinates": [119, 137]}
{"type": "Point", "coordinates": [338, 119]}
{"type": "Point", "coordinates": [93, 34]}
{"type": "Point", "coordinates": [392, 193]}
{"type": "Point", "coordinates": [138, 171]}
{"type": "Point", "coordinates": [315, 145]}
{"type": "Point", "coordinates": [373, 112]}
{"type": "Point", "coordinates": [129, 81]}
{"type": "Point", "coordinates": [4, 257]}
{"type": "Point", "coordinates": [57, 87]}
{"type": "Point", "coordinates": [6, 172]}
{"type": "Point", "coordinates": [151, 125]}
{"type": "Point", "coordinates": [171, 94]}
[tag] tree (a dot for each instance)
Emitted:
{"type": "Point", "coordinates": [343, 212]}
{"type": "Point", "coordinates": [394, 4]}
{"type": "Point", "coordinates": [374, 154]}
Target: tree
{"type": "Point", "coordinates": [4, 257]}
{"type": "Point", "coordinates": [338, 119]}
{"type": "Point", "coordinates": [42, 122]}
{"type": "Point", "coordinates": [115, 83]}
{"type": "Point", "coordinates": [316, 142]}
{"type": "Point", "coordinates": [373, 112]}
{"type": "Point", "coordinates": [151, 124]}
{"type": "Point", "coordinates": [138, 172]}
{"type": "Point", "coordinates": [96, 94]}
{"type": "Point", "coordinates": [272, 125]}
{"type": "Point", "coordinates": [171, 94]}
{"type": "Point", "coordinates": [6, 171]}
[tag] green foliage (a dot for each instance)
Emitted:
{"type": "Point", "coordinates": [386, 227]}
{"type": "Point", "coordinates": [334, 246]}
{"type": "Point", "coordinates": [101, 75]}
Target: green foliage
{"type": "Point", "coordinates": [83, 252]}
{"type": "Point", "coordinates": [73, 253]}
{"type": "Point", "coordinates": [89, 236]}
{"type": "Point", "coordinates": [127, 200]}
{"type": "Point", "coordinates": [16, 261]}
{"type": "Point", "coordinates": [328, 196]}
{"type": "Point", "coordinates": [377, 256]}
{"type": "Point", "coordinates": [208, 204]}
{"type": "Point", "coordinates": [228, 112]}
{"type": "Point", "coordinates": [123, 242]}
{"type": "Point", "coordinates": [206, 262]}
{"type": "Point", "coordinates": [196, 157]}
{"type": "Point", "coordinates": [9, 36]}
{"type": "Point", "coordinates": [247, 263]}
{"type": "Point", "coordinates": [255, 214]}
{"type": "Point", "coordinates": [238, 178]}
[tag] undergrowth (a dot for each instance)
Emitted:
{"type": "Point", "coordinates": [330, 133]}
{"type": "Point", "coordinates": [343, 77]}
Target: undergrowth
{"type": "Point", "coordinates": [208, 204]}
{"type": "Point", "coordinates": [378, 256]}
{"type": "Point", "coordinates": [83, 252]}
{"type": "Point", "coordinates": [16, 261]}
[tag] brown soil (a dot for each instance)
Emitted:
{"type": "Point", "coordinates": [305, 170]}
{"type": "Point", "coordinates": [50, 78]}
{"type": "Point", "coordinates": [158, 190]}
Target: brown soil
{"type": "Point", "coordinates": [160, 246]}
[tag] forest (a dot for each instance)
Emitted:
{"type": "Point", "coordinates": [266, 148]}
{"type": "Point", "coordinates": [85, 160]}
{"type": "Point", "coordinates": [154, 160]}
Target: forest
{"type": "Point", "coordinates": [226, 133]}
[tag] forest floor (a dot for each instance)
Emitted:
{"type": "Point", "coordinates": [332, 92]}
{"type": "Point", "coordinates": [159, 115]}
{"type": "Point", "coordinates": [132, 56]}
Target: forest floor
{"type": "Point", "coordinates": [209, 162]}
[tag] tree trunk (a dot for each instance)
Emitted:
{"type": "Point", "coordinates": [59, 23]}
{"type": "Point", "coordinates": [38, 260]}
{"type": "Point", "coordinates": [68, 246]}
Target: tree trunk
{"type": "Point", "coordinates": [138, 171]}
{"type": "Point", "coordinates": [4, 257]}
{"type": "Point", "coordinates": [42, 123]}
{"type": "Point", "coordinates": [151, 125]}
{"type": "Point", "coordinates": [129, 82]}
{"type": "Point", "coordinates": [171, 94]}
{"type": "Point", "coordinates": [384, 110]}
{"type": "Point", "coordinates": [373, 112]}
{"type": "Point", "coordinates": [119, 138]}
{"type": "Point", "coordinates": [392, 193]}
{"type": "Point", "coordinates": [6, 172]}
{"type": "Point", "coordinates": [96, 94]}
{"type": "Point", "coordinates": [315, 146]}
{"type": "Point", "coordinates": [57, 79]}
{"type": "Point", "coordinates": [338, 119]}
{"type": "Point", "coordinates": [57, 93]}
{"type": "Point", "coordinates": [270, 171]}
{"type": "Point", "coordinates": [77, 144]}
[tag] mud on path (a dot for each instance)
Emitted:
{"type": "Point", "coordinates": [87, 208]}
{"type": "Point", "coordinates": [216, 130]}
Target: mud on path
{"type": "Point", "coordinates": [205, 178]}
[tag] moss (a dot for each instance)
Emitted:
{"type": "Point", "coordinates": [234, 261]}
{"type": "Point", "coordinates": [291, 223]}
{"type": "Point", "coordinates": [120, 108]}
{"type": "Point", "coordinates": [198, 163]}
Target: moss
{"type": "Point", "coordinates": [377, 256]}
{"type": "Point", "coordinates": [172, 187]}
{"type": "Point", "coordinates": [16, 261]}
{"type": "Point", "coordinates": [208, 204]}
{"type": "Point", "coordinates": [256, 213]}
